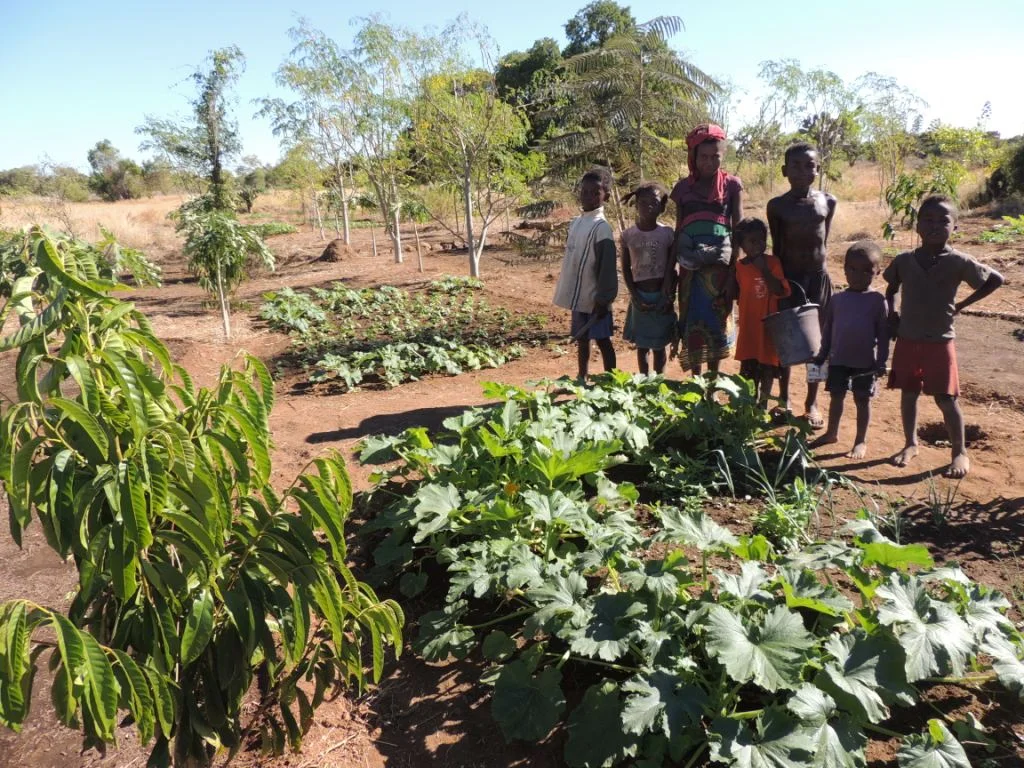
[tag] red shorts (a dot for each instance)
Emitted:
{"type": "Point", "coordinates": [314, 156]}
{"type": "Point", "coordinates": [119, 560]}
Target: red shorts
{"type": "Point", "coordinates": [927, 367]}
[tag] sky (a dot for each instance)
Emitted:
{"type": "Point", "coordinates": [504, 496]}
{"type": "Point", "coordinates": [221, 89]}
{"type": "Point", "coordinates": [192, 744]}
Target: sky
{"type": "Point", "coordinates": [73, 72]}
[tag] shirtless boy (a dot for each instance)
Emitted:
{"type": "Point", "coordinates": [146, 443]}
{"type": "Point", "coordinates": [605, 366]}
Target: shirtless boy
{"type": "Point", "coordinates": [799, 221]}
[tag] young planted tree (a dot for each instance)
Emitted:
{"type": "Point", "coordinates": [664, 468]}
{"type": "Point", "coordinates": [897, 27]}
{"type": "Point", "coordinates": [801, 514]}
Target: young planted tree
{"type": "Point", "coordinates": [321, 75]}
{"type": "Point", "coordinates": [468, 137]}
{"type": "Point", "coordinates": [196, 577]}
{"type": "Point", "coordinates": [892, 118]}
{"type": "Point", "coordinates": [206, 143]}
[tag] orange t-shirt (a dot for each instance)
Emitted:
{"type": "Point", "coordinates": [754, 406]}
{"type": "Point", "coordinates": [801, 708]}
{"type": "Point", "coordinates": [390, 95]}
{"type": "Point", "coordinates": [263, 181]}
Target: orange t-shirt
{"type": "Point", "coordinates": [755, 303]}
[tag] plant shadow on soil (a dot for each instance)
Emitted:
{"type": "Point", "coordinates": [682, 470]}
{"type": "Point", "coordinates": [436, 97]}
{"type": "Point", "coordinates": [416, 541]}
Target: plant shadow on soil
{"type": "Point", "coordinates": [390, 423]}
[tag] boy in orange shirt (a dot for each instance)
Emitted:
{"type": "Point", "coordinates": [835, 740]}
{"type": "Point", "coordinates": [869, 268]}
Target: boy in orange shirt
{"type": "Point", "coordinates": [759, 285]}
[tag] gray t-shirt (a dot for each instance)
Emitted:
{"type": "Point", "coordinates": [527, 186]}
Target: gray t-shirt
{"type": "Point", "coordinates": [928, 296]}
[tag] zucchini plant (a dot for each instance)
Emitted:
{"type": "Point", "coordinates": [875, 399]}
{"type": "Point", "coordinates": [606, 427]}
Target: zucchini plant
{"type": "Point", "coordinates": [641, 629]}
{"type": "Point", "coordinates": [199, 582]}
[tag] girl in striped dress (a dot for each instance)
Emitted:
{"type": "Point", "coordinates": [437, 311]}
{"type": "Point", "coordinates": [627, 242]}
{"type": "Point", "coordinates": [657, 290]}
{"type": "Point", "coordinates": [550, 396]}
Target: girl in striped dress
{"type": "Point", "coordinates": [709, 203]}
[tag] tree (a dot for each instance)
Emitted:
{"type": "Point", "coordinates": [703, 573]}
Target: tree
{"type": "Point", "coordinates": [218, 249]}
{"type": "Point", "coordinates": [827, 109]}
{"type": "Point", "coordinates": [523, 79]}
{"type": "Point", "coordinates": [630, 102]}
{"type": "Point", "coordinates": [468, 136]}
{"type": "Point", "coordinates": [203, 587]}
{"type": "Point", "coordinates": [114, 177]}
{"type": "Point", "coordinates": [891, 118]}
{"type": "Point", "coordinates": [204, 145]}
{"type": "Point", "coordinates": [321, 75]}
{"type": "Point", "coordinates": [594, 24]}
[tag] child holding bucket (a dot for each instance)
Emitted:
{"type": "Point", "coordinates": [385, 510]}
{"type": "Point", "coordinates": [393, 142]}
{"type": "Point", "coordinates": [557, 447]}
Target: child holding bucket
{"type": "Point", "coordinates": [855, 342]}
{"type": "Point", "coordinates": [759, 286]}
{"type": "Point", "coordinates": [924, 360]}
{"type": "Point", "coordinates": [649, 273]}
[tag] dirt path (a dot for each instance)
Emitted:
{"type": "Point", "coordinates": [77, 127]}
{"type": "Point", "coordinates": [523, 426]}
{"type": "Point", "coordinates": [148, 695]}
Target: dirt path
{"type": "Point", "coordinates": [434, 714]}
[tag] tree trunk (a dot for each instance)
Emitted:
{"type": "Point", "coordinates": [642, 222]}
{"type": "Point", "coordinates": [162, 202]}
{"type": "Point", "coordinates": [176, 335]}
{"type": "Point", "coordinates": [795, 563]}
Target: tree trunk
{"type": "Point", "coordinates": [396, 234]}
{"type": "Point", "coordinates": [316, 212]}
{"type": "Point", "coordinates": [419, 252]}
{"type": "Point", "coordinates": [467, 200]}
{"type": "Point", "coordinates": [373, 238]}
{"type": "Point", "coordinates": [474, 257]}
{"type": "Point", "coordinates": [456, 211]}
{"type": "Point", "coordinates": [344, 205]}
{"type": "Point", "coordinates": [225, 307]}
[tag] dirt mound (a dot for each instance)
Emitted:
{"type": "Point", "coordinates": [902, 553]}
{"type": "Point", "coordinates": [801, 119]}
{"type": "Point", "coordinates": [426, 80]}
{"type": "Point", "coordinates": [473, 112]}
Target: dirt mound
{"type": "Point", "coordinates": [934, 433]}
{"type": "Point", "coordinates": [335, 251]}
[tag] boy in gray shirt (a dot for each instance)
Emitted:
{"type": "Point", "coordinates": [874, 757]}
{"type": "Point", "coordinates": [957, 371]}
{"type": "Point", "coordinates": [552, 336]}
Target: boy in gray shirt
{"type": "Point", "coordinates": [924, 360]}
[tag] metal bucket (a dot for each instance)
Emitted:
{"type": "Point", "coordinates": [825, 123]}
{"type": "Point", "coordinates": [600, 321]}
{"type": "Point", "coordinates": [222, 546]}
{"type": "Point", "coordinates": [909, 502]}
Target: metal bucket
{"type": "Point", "coordinates": [796, 333]}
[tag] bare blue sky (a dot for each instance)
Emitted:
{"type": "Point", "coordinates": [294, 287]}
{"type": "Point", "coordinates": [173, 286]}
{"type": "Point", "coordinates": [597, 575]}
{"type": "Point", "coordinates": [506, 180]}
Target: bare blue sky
{"type": "Point", "coordinates": [74, 72]}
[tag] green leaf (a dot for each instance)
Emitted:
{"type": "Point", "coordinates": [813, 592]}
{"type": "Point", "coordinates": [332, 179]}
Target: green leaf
{"type": "Point", "coordinates": [411, 584]}
{"type": "Point", "coordinates": [606, 633]}
{"type": "Point", "coordinates": [889, 555]}
{"type": "Point", "coordinates": [559, 603]}
{"type": "Point", "coordinates": [434, 505]}
{"type": "Point", "coordinates": [498, 646]}
{"type": "Point", "coordinates": [867, 674]}
{"type": "Point", "coordinates": [442, 635]}
{"type": "Point", "coordinates": [937, 748]}
{"type": "Point", "coordinates": [662, 702]}
{"type": "Point", "coordinates": [837, 742]}
{"type": "Point", "coordinates": [596, 738]}
{"type": "Point", "coordinates": [747, 584]}
{"type": "Point", "coordinates": [16, 668]}
{"type": "Point", "coordinates": [771, 652]}
{"type": "Point", "coordinates": [936, 639]}
{"type": "Point", "coordinates": [695, 529]}
{"type": "Point", "coordinates": [198, 627]}
{"type": "Point", "coordinates": [68, 685]}
{"type": "Point", "coordinates": [777, 741]}
{"type": "Point", "coordinates": [1006, 661]}
{"type": "Point", "coordinates": [135, 695]}
{"type": "Point", "coordinates": [803, 590]}
{"type": "Point", "coordinates": [527, 706]}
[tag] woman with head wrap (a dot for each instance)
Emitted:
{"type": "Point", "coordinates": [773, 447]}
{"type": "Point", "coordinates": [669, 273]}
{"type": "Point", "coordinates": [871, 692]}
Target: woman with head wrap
{"type": "Point", "coordinates": [709, 202]}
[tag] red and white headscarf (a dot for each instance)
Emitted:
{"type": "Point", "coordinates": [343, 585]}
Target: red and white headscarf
{"type": "Point", "coordinates": [696, 137]}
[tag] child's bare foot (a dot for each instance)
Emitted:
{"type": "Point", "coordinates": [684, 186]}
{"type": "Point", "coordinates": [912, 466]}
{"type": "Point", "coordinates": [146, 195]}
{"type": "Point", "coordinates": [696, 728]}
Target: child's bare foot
{"type": "Point", "coordinates": [859, 451]}
{"type": "Point", "coordinates": [959, 466]}
{"type": "Point", "coordinates": [826, 439]}
{"type": "Point", "coordinates": [905, 456]}
{"type": "Point", "coordinates": [814, 417]}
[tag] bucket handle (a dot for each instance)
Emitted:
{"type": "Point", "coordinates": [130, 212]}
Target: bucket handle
{"type": "Point", "coordinates": [796, 291]}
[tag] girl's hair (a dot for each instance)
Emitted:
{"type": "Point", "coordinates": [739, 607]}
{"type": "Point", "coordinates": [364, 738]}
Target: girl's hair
{"type": "Point", "coordinates": [653, 188]}
{"type": "Point", "coordinates": [602, 176]}
{"type": "Point", "coordinates": [749, 226]}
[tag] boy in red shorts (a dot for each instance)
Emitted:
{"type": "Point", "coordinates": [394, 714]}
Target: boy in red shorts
{"type": "Point", "coordinates": [924, 359]}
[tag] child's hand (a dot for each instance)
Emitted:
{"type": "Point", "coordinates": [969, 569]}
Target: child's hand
{"type": "Point", "coordinates": [732, 290]}
{"type": "Point", "coordinates": [894, 323]}
{"type": "Point", "coordinates": [881, 371]}
{"type": "Point", "coordinates": [665, 305]}
{"type": "Point", "coordinates": [819, 360]}
{"type": "Point", "coordinates": [600, 309]}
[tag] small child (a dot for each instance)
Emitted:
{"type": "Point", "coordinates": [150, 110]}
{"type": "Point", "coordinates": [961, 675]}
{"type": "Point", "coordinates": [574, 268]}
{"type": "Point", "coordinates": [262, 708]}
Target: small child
{"type": "Point", "coordinates": [759, 286]}
{"type": "Point", "coordinates": [800, 221]}
{"type": "Point", "coordinates": [855, 342]}
{"type": "Point", "coordinates": [924, 359]}
{"type": "Point", "coordinates": [649, 272]}
{"type": "Point", "coordinates": [589, 282]}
